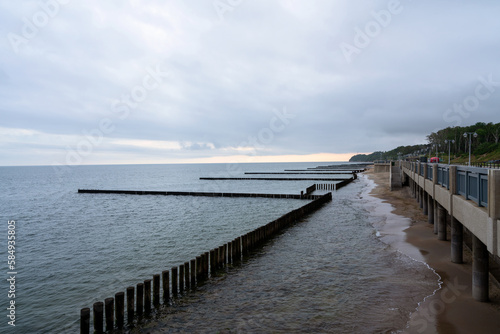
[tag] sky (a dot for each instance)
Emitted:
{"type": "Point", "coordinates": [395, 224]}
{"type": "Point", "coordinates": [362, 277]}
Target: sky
{"type": "Point", "coordinates": [120, 82]}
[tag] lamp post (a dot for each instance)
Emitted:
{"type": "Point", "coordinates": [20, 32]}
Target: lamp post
{"type": "Point", "coordinates": [437, 155]}
{"type": "Point", "coordinates": [470, 134]}
{"type": "Point", "coordinates": [449, 142]}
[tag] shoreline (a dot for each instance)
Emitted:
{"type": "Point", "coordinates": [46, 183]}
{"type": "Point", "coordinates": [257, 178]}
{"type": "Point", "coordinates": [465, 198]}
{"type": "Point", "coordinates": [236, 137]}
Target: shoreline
{"type": "Point", "coordinates": [451, 309]}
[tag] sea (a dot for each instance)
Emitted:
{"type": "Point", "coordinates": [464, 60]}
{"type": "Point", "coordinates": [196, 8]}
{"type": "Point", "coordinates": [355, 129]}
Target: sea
{"type": "Point", "coordinates": [331, 272]}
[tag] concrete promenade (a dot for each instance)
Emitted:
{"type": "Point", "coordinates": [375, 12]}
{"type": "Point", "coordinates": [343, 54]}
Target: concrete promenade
{"type": "Point", "coordinates": [460, 202]}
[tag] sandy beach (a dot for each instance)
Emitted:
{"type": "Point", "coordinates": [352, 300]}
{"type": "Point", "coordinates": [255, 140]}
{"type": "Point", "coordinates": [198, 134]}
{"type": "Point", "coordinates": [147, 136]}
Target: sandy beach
{"type": "Point", "coordinates": [451, 309]}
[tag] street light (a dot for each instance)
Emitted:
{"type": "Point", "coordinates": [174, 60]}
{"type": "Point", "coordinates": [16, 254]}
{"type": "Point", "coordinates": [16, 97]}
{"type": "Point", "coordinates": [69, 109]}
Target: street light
{"type": "Point", "coordinates": [449, 142]}
{"type": "Point", "coordinates": [470, 134]}
{"type": "Point", "coordinates": [437, 145]}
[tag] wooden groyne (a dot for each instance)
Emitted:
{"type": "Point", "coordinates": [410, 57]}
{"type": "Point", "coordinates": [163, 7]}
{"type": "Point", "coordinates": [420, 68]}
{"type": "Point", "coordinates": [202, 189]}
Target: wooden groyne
{"type": "Point", "coordinates": [334, 186]}
{"type": "Point", "coordinates": [299, 173]}
{"type": "Point", "coordinates": [194, 193]}
{"type": "Point", "coordinates": [326, 171]}
{"type": "Point", "coordinates": [272, 178]}
{"type": "Point", "coordinates": [175, 281]}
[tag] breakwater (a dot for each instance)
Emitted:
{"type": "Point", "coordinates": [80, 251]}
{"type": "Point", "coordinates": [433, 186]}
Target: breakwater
{"type": "Point", "coordinates": [307, 195]}
{"type": "Point", "coordinates": [326, 171]}
{"type": "Point", "coordinates": [173, 282]}
{"type": "Point", "coordinates": [273, 179]}
{"type": "Point", "coordinates": [195, 193]}
{"type": "Point", "coordinates": [299, 173]}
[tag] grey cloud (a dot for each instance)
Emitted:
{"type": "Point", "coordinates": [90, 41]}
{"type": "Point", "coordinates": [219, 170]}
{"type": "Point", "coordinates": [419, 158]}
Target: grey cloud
{"type": "Point", "coordinates": [226, 77]}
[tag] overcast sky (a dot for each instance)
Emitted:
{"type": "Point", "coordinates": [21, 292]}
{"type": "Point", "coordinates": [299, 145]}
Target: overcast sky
{"type": "Point", "coordinates": [98, 82]}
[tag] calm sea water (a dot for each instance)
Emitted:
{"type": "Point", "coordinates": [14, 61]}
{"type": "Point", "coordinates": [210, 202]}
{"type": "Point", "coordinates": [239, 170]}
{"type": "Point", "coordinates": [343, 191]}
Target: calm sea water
{"type": "Point", "coordinates": [329, 273]}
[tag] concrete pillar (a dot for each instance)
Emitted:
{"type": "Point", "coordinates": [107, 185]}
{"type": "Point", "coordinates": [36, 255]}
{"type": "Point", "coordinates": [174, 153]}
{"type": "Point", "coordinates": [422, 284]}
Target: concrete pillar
{"type": "Point", "coordinates": [441, 222]}
{"type": "Point", "coordinates": [493, 227]}
{"type": "Point", "coordinates": [436, 220]}
{"type": "Point", "coordinates": [421, 197]}
{"type": "Point", "coordinates": [457, 238]}
{"type": "Point", "coordinates": [425, 203]}
{"type": "Point", "coordinates": [430, 205]}
{"type": "Point", "coordinates": [480, 267]}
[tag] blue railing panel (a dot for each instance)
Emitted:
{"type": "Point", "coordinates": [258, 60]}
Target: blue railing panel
{"type": "Point", "coordinates": [483, 186]}
{"type": "Point", "coordinates": [472, 183]}
{"type": "Point", "coordinates": [430, 172]}
{"type": "Point", "coordinates": [461, 189]}
{"type": "Point", "coordinates": [473, 187]}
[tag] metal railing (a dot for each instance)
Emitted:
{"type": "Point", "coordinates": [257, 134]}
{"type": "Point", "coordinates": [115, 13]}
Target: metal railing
{"type": "Point", "coordinates": [472, 183]}
{"type": "Point", "coordinates": [484, 164]}
{"type": "Point", "coordinates": [443, 176]}
{"type": "Point", "coordinates": [430, 173]}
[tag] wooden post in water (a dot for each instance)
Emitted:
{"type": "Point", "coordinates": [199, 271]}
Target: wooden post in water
{"type": "Point", "coordinates": [140, 299]}
{"type": "Point", "coordinates": [109, 307]}
{"type": "Point", "coordinates": [119, 309]}
{"type": "Point", "coordinates": [174, 278]}
{"type": "Point", "coordinates": [205, 265]}
{"type": "Point", "coordinates": [212, 262]}
{"type": "Point", "coordinates": [217, 258]}
{"type": "Point", "coordinates": [156, 290]}
{"type": "Point", "coordinates": [98, 317]}
{"type": "Point", "coordinates": [186, 275]}
{"type": "Point", "coordinates": [147, 295]}
{"type": "Point", "coordinates": [130, 304]}
{"type": "Point", "coordinates": [221, 257]}
{"type": "Point", "coordinates": [198, 269]}
{"type": "Point", "coordinates": [224, 255]}
{"type": "Point", "coordinates": [85, 320]}
{"type": "Point", "coordinates": [233, 251]}
{"type": "Point", "coordinates": [238, 249]}
{"type": "Point", "coordinates": [193, 273]}
{"type": "Point", "coordinates": [181, 278]}
{"type": "Point", "coordinates": [166, 285]}
{"type": "Point", "coordinates": [229, 252]}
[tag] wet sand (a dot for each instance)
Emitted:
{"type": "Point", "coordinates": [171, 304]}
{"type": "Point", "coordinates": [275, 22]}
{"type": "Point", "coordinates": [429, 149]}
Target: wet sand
{"type": "Point", "coordinates": [451, 309]}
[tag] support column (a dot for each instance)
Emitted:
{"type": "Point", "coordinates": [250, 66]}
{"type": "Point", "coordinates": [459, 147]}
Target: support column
{"type": "Point", "coordinates": [441, 223]}
{"type": "Point", "coordinates": [493, 239]}
{"type": "Point", "coordinates": [480, 266]}
{"type": "Point", "coordinates": [421, 197]}
{"type": "Point", "coordinates": [430, 205]}
{"type": "Point", "coordinates": [436, 219]}
{"type": "Point", "coordinates": [425, 203]}
{"type": "Point", "coordinates": [457, 238]}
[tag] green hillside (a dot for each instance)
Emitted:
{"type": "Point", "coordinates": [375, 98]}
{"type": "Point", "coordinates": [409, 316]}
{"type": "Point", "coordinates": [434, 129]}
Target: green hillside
{"type": "Point", "coordinates": [485, 145]}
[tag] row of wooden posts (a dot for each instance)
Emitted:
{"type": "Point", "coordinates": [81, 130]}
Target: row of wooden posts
{"type": "Point", "coordinates": [330, 186]}
{"type": "Point", "coordinates": [110, 314]}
